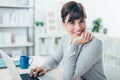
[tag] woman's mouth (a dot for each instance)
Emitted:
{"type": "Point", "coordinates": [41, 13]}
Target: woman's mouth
{"type": "Point", "coordinates": [78, 33]}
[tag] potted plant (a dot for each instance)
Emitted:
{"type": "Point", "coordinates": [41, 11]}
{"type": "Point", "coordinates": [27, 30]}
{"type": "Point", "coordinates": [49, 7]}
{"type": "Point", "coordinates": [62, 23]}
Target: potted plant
{"type": "Point", "coordinates": [39, 23]}
{"type": "Point", "coordinates": [97, 25]}
{"type": "Point", "coordinates": [40, 26]}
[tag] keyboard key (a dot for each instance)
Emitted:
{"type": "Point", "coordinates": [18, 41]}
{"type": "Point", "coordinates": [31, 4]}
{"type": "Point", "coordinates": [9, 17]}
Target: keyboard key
{"type": "Point", "coordinates": [28, 77]}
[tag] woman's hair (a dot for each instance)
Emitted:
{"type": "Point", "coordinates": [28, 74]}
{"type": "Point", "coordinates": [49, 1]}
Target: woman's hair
{"type": "Point", "coordinates": [75, 11]}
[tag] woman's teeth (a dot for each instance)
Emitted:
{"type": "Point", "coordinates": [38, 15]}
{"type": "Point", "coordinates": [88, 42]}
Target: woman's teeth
{"type": "Point", "coordinates": [77, 33]}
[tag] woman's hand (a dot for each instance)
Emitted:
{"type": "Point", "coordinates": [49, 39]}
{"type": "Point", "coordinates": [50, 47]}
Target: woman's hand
{"type": "Point", "coordinates": [84, 38]}
{"type": "Point", "coordinates": [38, 71]}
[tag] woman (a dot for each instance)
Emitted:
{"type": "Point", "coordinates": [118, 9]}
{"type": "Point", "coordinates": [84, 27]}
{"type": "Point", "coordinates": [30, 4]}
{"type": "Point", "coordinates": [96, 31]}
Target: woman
{"type": "Point", "coordinates": [80, 51]}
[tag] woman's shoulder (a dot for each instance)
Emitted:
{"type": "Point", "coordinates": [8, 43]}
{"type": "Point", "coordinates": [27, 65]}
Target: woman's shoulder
{"type": "Point", "coordinates": [95, 41]}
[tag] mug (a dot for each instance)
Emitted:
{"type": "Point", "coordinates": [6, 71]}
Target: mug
{"type": "Point", "coordinates": [24, 62]}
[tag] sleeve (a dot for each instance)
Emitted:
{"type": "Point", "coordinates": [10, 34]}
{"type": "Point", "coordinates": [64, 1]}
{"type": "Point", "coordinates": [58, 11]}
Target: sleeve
{"type": "Point", "coordinates": [70, 62]}
{"type": "Point", "coordinates": [55, 58]}
{"type": "Point", "coordinates": [88, 57]}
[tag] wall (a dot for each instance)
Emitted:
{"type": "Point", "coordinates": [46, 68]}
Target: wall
{"type": "Point", "coordinates": [106, 9]}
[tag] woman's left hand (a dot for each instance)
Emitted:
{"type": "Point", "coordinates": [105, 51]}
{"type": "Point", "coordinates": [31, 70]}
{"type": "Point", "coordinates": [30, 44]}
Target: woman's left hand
{"type": "Point", "coordinates": [84, 38]}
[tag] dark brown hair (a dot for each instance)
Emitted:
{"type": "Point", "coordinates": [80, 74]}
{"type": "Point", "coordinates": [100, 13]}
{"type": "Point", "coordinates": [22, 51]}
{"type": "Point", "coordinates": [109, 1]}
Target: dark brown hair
{"type": "Point", "coordinates": [74, 9]}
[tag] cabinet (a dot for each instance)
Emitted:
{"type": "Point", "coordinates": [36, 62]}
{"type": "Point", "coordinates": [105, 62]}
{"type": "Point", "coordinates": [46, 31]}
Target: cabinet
{"type": "Point", "coordinates": [16, 26]}
{"type": "Point", "coordinates": [46, 43]}
{"type": "Point", "coordinates": [111, 48]}
{"type": "Point", "coordinates": [48, 37]}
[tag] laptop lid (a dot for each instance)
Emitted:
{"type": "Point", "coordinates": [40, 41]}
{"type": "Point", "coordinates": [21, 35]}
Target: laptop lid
{"type": "Point", "coordinates": [13, 70]}
{"type": "Point", "coordinates": [11, 66]}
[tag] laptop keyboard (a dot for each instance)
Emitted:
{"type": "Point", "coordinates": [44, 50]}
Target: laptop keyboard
{"type": "Point", "coordinates": [28, 77]}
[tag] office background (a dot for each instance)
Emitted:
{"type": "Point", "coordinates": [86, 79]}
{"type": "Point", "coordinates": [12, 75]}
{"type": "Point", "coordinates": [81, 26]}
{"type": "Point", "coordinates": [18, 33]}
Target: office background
{"type": "Point", "coordinates": [33, 27]}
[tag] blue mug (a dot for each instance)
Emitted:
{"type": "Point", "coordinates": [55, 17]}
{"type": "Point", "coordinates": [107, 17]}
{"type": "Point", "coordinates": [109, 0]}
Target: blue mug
{"type": "Point", "coordinates": [24, 62]}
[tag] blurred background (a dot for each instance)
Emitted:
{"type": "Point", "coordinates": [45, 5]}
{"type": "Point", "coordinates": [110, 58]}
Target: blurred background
{"type": "Point", "coordinates": [33, 27]}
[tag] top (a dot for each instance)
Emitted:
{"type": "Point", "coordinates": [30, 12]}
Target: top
{"type": "Point", "coordinates": [79, 60]}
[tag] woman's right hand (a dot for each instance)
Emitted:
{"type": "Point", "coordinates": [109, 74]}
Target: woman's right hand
{"type": "Point", "coordinates": [84, 38]}
{"type": "Point", "coordinates": [38, 71]}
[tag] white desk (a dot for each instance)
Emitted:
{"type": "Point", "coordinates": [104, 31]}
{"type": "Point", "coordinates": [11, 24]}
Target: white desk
{"type": "Point", "coordinates": [37, 61]}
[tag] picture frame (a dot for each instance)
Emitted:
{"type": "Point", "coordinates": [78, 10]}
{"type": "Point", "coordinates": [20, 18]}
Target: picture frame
{"type": "Point", "coordinates": [51, 22]}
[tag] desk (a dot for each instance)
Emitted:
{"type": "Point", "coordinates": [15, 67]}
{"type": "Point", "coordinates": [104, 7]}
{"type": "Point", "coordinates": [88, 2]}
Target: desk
{"type": "Point", "coordinates": [37, 61]}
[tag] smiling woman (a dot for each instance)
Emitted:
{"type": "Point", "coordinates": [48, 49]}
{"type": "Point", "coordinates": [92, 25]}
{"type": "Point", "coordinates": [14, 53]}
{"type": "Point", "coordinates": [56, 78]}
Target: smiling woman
{"type": "Point", "coordinates": [73, 18]}
{"type": "Point", "coordinates": [82, 58]}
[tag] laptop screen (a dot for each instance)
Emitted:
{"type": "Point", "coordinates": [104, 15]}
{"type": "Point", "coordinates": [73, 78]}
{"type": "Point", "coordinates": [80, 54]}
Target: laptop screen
{"type": "Point", "coordinates": [10, 65]}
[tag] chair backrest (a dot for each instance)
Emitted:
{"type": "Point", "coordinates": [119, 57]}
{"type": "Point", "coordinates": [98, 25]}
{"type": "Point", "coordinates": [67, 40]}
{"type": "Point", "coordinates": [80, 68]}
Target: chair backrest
{"type": "Point", "coordinates": [112, 72]}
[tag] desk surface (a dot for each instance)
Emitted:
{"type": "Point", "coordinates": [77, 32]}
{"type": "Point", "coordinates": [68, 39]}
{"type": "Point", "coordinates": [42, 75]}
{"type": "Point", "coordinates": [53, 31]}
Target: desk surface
{"type": "Point", "coordinates": [37, 61]}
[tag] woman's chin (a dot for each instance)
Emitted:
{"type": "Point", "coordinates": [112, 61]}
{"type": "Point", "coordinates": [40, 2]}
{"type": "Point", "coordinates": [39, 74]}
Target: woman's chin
{"type": "Point", "coordinates": [75, 36]}
{"type": "Point", "coordinates": [78, 35]}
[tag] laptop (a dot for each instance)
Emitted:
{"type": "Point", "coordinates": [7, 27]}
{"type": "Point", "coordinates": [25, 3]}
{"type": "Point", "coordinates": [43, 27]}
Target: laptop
{"type": "Point", "coordinates": [14, 72]}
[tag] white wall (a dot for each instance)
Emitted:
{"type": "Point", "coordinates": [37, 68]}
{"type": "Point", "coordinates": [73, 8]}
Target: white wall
{"type": "Point", "coordinates": [108, 10]}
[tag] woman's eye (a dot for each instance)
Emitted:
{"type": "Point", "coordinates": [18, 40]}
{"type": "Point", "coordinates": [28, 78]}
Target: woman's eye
{"type": "Point", "coordinates": [71, 22]}
{"type": "Point", "coordinates": [82, 21]}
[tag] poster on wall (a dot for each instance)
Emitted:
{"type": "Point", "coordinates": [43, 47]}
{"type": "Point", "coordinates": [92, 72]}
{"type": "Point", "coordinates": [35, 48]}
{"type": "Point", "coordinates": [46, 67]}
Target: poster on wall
{"type": "Point", "coordinates": [51, 22]}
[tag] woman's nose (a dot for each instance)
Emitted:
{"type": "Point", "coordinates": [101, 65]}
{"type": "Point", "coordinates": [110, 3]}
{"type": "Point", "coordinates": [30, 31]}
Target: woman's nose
{"type": "Point", "coordinates": [77, 26]}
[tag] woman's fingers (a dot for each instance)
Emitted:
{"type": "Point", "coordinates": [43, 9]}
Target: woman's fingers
{"type": "Point", "coordinates": [42, 72]}
{"type": "Point", "coordinates": [83, 35]}
{"type": "Point", "coordinates": [84, 38]}
{"type": "Point", "coordinates": [37, 71]}
{"type": "Point", "coordinates": [89, 36]}
{"type": "Point", "coordinates": [32, 71]}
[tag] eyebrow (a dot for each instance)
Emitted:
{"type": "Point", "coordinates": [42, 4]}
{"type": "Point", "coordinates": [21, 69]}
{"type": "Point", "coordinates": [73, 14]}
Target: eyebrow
{"type": "Point", "coordinates": [82, 20]}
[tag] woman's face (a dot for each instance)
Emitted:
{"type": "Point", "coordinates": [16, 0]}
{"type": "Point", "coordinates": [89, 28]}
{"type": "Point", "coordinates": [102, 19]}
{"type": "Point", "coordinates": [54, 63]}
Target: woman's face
{"type": "Point", "coordinates": [75, 28]}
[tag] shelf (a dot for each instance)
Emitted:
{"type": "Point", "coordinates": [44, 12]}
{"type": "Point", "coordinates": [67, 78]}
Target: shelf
{"type": "Point", "coordinates": [15, 6]}
{"type": "Point", "coordinates": [47, 35]}
{"type": "Point", "coordinates": [15, 16]}
{"type": "Point", "coordinates": [15, 26]}
{"type": "Point", "coordinates": [16, 45]}
{"type": "Point", "coordinates": [112, 56]}
{"type": "Point", "coordinates": [46, 54]}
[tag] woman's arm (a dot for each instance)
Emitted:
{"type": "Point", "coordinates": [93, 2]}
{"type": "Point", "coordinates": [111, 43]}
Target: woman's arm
{"type": "Point", "coordinates": [55, 58]}
{"type": "Point", "coordinates": [70, 62]}
{"type": "Point", "coordinates": [50, 64]}
{"type": "Point", "coordinates": [73, 53]}
{"type": "Point", "coordinates": [88, 57]}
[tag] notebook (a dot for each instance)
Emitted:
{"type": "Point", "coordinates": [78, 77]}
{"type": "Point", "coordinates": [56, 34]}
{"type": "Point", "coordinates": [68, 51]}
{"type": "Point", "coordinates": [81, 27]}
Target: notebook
{"type": "Point", "coordinates": [3, 65]}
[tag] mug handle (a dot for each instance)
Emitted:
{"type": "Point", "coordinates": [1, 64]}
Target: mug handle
{"type": "Point", "coordinates": [31, 61]}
